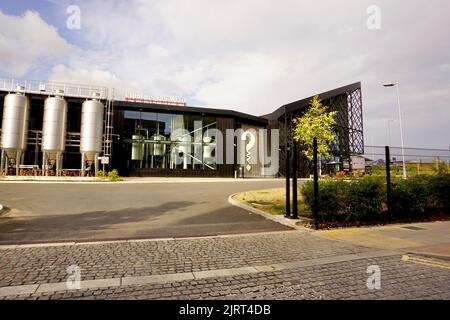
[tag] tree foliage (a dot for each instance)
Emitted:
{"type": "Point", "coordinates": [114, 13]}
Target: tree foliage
{"type": "Point", "coordinates": [316, 122]}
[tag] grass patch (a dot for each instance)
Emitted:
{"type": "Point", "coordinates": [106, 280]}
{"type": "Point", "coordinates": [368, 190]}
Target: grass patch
{"type": "Point", "coordinates": [271, 201]}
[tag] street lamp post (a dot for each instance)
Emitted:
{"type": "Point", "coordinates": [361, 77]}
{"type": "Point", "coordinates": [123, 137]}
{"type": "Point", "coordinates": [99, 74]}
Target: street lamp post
{"type": "Point", "coordinates": [397, 85]}
{"type": "Point", "coordinates": [389, 130]}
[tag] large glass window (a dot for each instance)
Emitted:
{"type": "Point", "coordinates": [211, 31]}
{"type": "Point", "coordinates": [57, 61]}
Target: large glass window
{"type": "Point", "coordinates": [132, 114]}
{"type": "Point", "coordinates": [165, 124]}
{"type": "Point", "coordinates": [170, 141]}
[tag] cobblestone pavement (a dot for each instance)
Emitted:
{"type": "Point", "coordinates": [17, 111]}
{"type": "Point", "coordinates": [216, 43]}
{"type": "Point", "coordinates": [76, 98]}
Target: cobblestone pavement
{"type": "Point", "coordinates": [400, 278]}
{"type": "Point", "coordinates": [111, 260]}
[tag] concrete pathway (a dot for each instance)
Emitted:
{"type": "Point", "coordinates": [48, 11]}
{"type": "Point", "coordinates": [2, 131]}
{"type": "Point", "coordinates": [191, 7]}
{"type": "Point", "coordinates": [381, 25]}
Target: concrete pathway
{"type": "Point", "coordinates": [432, 238]}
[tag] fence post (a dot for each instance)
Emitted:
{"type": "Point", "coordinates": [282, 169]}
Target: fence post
{"type": "Point", "coordinates": [388, 180]}
{"type": "Point", "coordinates": [288, 183]}
{"type": "Point", "coordinates": [316, 186]}
{"type": "Point", "coordinates": [294, 181]}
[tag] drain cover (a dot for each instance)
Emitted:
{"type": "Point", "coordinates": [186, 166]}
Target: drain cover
{"type": "Point", "coordinates": [413, 228]}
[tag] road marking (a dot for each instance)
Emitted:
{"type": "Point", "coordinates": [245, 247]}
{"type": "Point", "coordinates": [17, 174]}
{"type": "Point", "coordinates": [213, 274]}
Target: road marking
{"type": "Point", "coordinates": [426, 262]}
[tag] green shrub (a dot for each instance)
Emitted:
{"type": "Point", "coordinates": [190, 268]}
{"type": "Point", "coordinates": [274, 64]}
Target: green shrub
{"type": "Point", "coordinates": [102, 174]}
{"type": "Point", "coordinates": [365, 199]}
{"type": "Point", "coordinates": [332, 197]}
{"type": "Point", "coordinates": [439, 193]}
{"type": "Point", "coordinates": [409, 198]}
{"type": "Point", "coordinates": [113, 175]}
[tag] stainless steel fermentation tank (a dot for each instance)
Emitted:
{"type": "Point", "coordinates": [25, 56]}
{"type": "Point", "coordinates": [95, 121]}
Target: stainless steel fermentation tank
{"type": "Point", "coordinates": [16, 112]}
{"type": "Point", "coordinates": [54, 133]}
{"type": "Point", "coordinates": [158, 150]}
{"type": "Point", "coordinates": [91, 135]}
{"type": "Point", "coordinates": [137, 147]}
{"type": "Point", "coordinates": [144, 148]}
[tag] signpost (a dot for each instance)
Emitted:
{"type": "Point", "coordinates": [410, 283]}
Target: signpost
{"type": "Point", "coordinates": [104, 161]}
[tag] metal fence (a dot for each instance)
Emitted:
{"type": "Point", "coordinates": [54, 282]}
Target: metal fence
{"type": "Point", "coordinates": [417, 160]}
{"type": "Point", "coordinates": [382, 161]}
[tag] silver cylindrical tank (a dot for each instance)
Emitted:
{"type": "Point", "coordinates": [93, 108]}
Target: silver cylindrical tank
{"type": "Point", "coordinates": [158, 149]}
{"type": "Point", "coordinates": [137, 147]}
{"type": "Point", "coordinates": [54, 125]}
{"type": "Point", "coordinates": [91, 128]}
{"type": "Point", "coordinates": [16, 112]}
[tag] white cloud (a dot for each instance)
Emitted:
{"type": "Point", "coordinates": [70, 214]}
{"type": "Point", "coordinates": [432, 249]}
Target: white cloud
{"type": "Point", "coordinates": [94, 77]}
{"type": "Point", "coordinates": [28, 42]}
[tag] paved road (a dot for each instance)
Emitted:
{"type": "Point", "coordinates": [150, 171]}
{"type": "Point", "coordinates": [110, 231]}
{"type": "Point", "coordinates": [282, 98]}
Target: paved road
{"type": "Point", "coordinates": [286, 264]}
{"type": "Point", "coordinates": [275, 265]}
{"type": "Point", "coordinates": [44, 212]}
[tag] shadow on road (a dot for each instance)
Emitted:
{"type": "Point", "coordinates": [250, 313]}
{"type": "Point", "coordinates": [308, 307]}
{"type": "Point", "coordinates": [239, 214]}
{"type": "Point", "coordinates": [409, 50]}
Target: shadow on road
{"type": "Point", "coordinates": [92, 220]}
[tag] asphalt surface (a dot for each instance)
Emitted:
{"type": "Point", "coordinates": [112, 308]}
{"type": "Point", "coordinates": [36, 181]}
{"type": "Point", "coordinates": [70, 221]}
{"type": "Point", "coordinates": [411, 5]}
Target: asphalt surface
{"type": "Point", "coordinates": [53, 212]}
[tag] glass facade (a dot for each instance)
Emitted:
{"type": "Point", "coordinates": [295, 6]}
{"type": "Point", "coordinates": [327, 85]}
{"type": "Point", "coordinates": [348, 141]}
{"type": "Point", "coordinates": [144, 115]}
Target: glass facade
{"type": "Point", "coordinates": [169, 141]}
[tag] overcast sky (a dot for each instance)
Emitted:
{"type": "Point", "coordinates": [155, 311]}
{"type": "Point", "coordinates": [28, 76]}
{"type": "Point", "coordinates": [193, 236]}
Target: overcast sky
{"type": "Point", "coordinates": [248, 55]}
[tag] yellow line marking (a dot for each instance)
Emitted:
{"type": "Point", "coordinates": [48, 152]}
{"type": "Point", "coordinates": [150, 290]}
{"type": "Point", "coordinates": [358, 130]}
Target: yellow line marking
{"type": "Point", "coordinates": [426, 262]}
{"type": "Point", "coordinates": [432, 261]}
{"type": "Point", "coordinates": [369, 238]}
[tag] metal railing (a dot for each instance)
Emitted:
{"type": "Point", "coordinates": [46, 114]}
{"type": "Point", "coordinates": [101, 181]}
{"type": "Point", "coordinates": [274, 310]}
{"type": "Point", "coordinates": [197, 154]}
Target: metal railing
{"type": "Point", "coordinates": [45, 88]}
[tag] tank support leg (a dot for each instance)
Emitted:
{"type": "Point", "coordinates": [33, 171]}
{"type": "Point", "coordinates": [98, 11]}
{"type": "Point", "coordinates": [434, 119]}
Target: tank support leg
{"type": "Point", "coordinates": [44, 163]}
{"type": "Point", "coordinates": [96, 165]}
{"type": "Point", "coordinates": [83, 162]}
{"type": "Point", "coordinates": [18, 155]}
{"type": "Point", "coordinates": [2, 164]}
{"type": "Point", "coordinates": [57, 163]}
{"type": "Point", "coordinates": [61, 158]}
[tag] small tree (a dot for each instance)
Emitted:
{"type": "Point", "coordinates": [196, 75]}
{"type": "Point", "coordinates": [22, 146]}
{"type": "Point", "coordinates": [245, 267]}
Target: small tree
{"type": "Point", "coordinates": [316, 122]}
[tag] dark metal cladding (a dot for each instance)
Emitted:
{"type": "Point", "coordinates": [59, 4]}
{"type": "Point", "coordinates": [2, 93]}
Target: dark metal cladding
{"type": "Point", "coordinates": [347, 101]}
